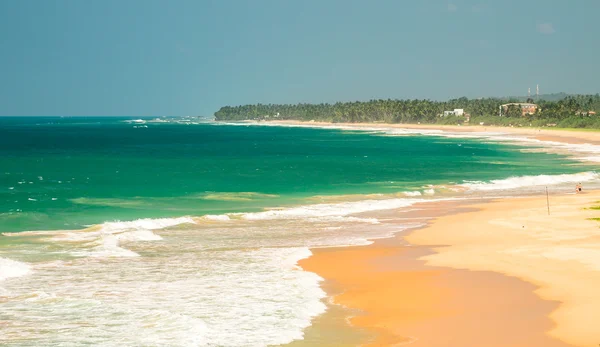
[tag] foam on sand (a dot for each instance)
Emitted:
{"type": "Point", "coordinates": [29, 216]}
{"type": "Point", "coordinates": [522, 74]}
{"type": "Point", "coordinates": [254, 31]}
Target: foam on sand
{"type": "Point", "coordinates": [182, 297]}
{"type": "Point", "coordinates": [343, 219]}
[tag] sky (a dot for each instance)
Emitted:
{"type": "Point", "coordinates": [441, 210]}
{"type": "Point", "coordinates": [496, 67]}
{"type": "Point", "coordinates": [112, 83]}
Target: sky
{"type": "Point", "coordinates": [189, 58]}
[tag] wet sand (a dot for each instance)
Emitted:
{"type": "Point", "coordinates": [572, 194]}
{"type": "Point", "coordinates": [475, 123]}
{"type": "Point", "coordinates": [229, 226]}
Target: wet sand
{"type": "Point", "coordinates": [400, 299]}
{"type": "Point", "coordinates": [502, 274]}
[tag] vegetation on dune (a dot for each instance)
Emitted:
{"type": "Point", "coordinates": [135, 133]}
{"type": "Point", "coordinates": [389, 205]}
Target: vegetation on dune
{"type": "Point", "coordinates": [596, 207]}
{"type": "Point", "coordinates": [569, 112]}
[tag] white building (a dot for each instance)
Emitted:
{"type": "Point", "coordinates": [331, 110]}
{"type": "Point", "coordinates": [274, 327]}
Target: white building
{"type": "Point", "coordinates": [456, 112]}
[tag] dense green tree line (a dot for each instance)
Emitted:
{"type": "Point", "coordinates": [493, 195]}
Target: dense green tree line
{"type": "Point", "coordinates": [413, 111]}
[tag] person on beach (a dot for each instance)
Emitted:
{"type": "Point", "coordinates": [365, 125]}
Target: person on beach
{"type": "Point", "coordinates": [578, 188]}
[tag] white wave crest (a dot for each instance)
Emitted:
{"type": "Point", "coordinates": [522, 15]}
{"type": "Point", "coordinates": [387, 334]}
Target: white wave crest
{"type": "Point", "coordinates": [296, 254]}
{"type": "Point", "coordinates": [342, 219]}
{"type": "Point", "coordinates": [135, 121]}
{"type": "Point", "coordinates": [12, 268]}
{"type": "Point", "coordinates": [136, 230]}
{"type": "Point", "coordinates": [139, 235]}
{"type": "Point", "coordinates": [106, 238]}
{"type": "Point", "coordinates": [109, 247]}
{"type": "Point", "coordinates": [415, 193]}
{"type": "Point", "coordinates": [325, 210]}
{"type": "Point", "coordinates": [217, 217]}
{"type": "Point", "coordinates": [110, 235]}
{"type": "Point", "coordinates": [146, 223]}
{"type": "Point", "coordinates": [527, 181]}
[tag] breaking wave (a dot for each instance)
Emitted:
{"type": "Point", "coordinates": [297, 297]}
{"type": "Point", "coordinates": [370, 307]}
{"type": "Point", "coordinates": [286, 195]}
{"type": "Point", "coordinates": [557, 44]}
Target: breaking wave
{"type": "Point", "coordinates": [529, 181]}
{"type": "Point", "coordinates": [12, 268]}
{"type": "Point", "coordinates": [236, 196]}
{"type": "Point", "coordinates": [326, 210]}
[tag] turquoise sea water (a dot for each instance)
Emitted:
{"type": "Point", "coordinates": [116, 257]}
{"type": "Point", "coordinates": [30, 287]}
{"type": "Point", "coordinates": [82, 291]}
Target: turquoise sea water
{"type": "Point", "coordinates": [65, 173]}
{"type": "Point", "coordinates": [118, 231]}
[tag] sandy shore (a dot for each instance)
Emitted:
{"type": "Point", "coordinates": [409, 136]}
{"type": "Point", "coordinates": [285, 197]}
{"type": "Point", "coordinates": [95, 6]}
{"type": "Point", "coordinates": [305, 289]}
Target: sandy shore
{"type": "Point", "coordinates": [543, 134]}
{"type": "Point", "coordinates": [559, 253]}
{"type": "Point", "coordinates": [503, 274]}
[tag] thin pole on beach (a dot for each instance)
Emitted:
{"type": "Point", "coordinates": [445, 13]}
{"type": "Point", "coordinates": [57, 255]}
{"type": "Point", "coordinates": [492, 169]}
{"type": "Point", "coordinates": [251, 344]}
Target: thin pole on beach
{"type": "Point", "coordinates": [547, 201]}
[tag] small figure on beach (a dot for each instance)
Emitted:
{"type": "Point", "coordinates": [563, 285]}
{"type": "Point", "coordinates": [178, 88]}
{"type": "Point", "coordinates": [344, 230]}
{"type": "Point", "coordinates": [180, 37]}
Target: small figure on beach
{"type": "Point", "coordinates": [578, 188]}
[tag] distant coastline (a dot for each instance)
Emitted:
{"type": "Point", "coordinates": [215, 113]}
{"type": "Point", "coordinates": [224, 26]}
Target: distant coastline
{"type": "Point", "coordinates": [572, 111]}
{"type": "Point", "coordinates": [559, 135]}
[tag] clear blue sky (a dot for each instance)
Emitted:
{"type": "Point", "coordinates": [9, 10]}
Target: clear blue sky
{"type": "Point", "coordinates": [178, 58]}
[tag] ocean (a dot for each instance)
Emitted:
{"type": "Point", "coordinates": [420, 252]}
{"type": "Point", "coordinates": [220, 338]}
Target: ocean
{"type": "Point", "coordinates": [179, 232]}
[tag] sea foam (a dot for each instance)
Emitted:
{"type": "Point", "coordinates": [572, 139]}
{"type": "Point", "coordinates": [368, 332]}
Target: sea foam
{"type": "Point", "coordinates": [146, 223]}
{"type": "Point", "coordinates": [582, 149]}
{"type": "Point", "coordinates": [12, 268]}
{"type": "Point", "coordinates": [202, 285]}
{"type": "Point", "coordinates": [104, 240]}
{"type": "Point", "coordinates": [531, 181]}
{"type": "Point", "coordinates": [326, 210]}
{"type": "Point", "coordinates": [218, 217]}
{"type": "Point", "coordinates": [108, 247]}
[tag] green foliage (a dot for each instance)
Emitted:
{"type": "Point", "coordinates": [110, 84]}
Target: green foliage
{"type": "Point", "coordinates": [451, 120]}
{"type": "Point", "coordinates": [514, 111]}
{"type": "Point", "coordinates": [388, 111]}
{"type": "Point", "coordinates": [594, 208]}
{"type": "Point", "coordinates": [561, 113]}
{"type": "Point", "coordinates": [500, 121]}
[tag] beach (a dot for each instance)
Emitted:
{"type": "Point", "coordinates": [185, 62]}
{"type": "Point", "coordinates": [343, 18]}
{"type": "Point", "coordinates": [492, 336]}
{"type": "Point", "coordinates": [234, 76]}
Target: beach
{"type": "Point", "coordinates": [568, 136]}
{"type": "Point", "coordinates": [520, 271]}
{"type": "Point", "coordinates": [189, 235]}
{"type": "Point", "coordinates": [520, 276]}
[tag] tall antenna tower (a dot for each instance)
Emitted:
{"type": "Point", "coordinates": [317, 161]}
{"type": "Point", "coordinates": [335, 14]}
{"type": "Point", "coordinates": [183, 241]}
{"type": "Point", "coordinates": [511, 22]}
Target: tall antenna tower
{"type": "Point", "coordinates": [537, 91]}
{"type": "Point", "coordinates": [528, 92]}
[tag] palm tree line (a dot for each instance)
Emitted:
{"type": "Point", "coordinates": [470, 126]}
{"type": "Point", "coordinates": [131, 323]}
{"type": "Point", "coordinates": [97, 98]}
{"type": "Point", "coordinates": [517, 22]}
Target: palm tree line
{"type": "Point", "coordinates": [405, 111]}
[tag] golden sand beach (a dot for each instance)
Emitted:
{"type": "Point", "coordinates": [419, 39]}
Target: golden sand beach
{"type": "Point", "coordinates": [559, 253]}
{"type": "Point", "coordinates": [501, 273]}
{"type": "Point", "coordinates": [505, 274]}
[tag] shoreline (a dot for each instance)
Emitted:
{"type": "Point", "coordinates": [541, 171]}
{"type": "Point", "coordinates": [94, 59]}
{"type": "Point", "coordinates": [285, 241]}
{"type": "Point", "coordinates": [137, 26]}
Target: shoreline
{"type": "Point", "coordinates": [391, 244]}
{"type": "Point", "coordinates": [493, 276]}
{"type": "Point", "coordinates": [567, 136]}
{"type": "Point", "coordinates": [470, 256]}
